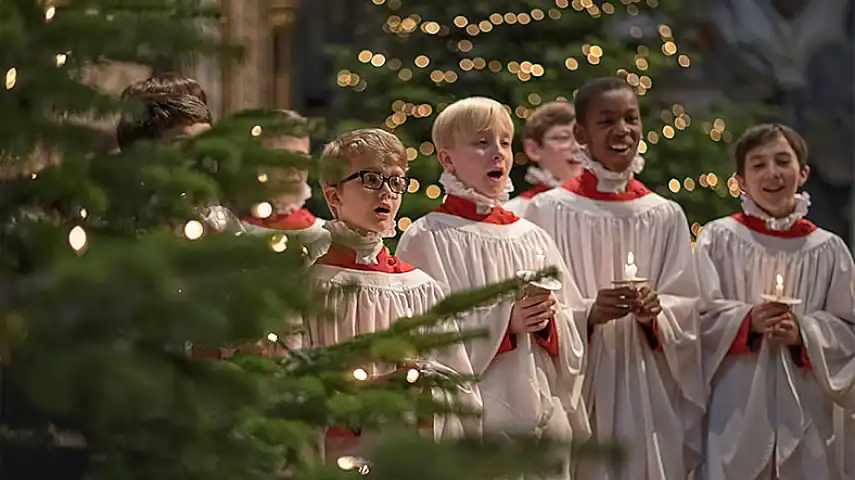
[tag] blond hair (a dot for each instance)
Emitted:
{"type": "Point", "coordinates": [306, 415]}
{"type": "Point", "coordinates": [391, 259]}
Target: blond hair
{"type": "Point", "coordinates": [467, 116]}
{"type": "Point", "coordinates": [377, 145]}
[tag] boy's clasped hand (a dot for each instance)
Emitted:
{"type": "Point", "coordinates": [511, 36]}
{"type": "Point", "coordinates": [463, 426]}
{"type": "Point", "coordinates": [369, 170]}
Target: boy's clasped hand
{"type": "Point", "coordinates": [532, 313]}
{"type": "Point", "coordinates": [614, 303]}
{"type": "Point", "coordinates": [776, 322]}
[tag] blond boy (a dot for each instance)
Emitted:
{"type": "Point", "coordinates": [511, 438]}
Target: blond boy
{"type": "Point", "coordinates": [530, 362]}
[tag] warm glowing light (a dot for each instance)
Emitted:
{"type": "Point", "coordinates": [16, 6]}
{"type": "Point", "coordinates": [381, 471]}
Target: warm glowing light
{"type": "Point", "coordinates": [273, 337]}
{"type": "Point", "coordinates": [360, 374]}
{"type": "Point", "coordinates": [346, 463]}
{"type": "Point", "coordinates": [193, 230]}
{"type": "Point", "coordinates": [256, 131]}
{"type": "Point", "coordinates": [60, 59]}
{"type": "Point", "coordinates": [279, 243]}
{"type": "Point", "coordinates": [262, 210]}
{"type": "Point", "coordinates": [413, 375]}
{"type": "Point", "coordinates": [11, 78]}
{"type": "Point", "coordinates": [77, 239]}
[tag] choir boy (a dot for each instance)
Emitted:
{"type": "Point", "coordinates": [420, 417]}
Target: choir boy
{"type": "Point", "coordinates": [778, 325]}
{"type": "Point", "coordinates": [643, 384]}
{"type": "Point", "coordinates": [287, 214]}
{"type": "Point", "coordinates": [530, 362]}
{"type": "Point", "coordinates": [548, 141]}
{"type": "Point", "coordinates": [364, 176]}
{"type": "Point", "coordinates": [174, 108]}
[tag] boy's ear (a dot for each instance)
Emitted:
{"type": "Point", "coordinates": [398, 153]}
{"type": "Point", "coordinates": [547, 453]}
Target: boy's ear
{"type": "Point", "coordinates": [531, 149]}
{"type": "Point", "coordinates": [445, 160]}
{"type": "Point", "coordinates": [333, 198]}
{"type": "Point", "coordinates": [740, 180]}
{"type": "Point", "coordinates": [581, 134]}
{"type": "Point", "coordinates": [805, 173]}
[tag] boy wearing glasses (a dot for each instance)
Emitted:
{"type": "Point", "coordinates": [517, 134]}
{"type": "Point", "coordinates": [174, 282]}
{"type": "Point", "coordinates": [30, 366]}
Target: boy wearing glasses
{"type": "Point", "coordinates": [548, 141]}
{"type": "Point", "coordinates": [363, 176]}
{"type": "Point", "coordinates": [530, 362]}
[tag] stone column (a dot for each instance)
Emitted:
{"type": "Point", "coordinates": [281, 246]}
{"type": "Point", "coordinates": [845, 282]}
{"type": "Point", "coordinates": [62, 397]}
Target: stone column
{"type": "Point", "coordinates": [207, 71]}
{"type": "Point", "coordinates": [244, 84]}
{"type": "Point", "coordinates": [282, 14]}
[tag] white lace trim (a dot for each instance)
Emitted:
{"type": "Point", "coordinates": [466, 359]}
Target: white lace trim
{"type": "Point", "coordinates": [483, 203]}
{"type": "Point", "coordinates": [289, 208]}
{"type": "Point", "coordinates": [221, 219]}
{"type": "Point", "coordinates": [367, 245]}
{"type": "Point", "coordinates": [778, 224]}
{"type": "Point", "coordinates": [607, 180]}
{"type": "Point", "coordinates": [539, 176]}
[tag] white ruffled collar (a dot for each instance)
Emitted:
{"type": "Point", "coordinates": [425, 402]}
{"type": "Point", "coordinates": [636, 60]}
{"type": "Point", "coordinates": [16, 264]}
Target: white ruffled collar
{"type": "Point", "coordinates": [367, 245]}
{"type": "Point", "coordinates": [281, 208]}
{"type": "Point", "coordinates": [607, 180]}
{"type": "Point", "coordinates": [778, 224]}
{"type": "Point", "coordinates": [483, 203]}
{"type": "Point", "coordinates": [538, 176]}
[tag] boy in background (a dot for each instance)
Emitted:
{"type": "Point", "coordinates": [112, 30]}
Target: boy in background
{"type": "Point", "coordinates": [548, 141]}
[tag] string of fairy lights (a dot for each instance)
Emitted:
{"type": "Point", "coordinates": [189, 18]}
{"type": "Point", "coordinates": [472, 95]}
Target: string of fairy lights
{"type": "Point", "coordinates": [675, 120]}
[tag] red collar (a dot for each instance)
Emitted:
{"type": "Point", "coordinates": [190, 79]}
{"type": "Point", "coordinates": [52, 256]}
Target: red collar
{"type": "Point", "coordinates": [801, 228]}
{"type": "Point", "coordinates": [299, 219]}
{"type": "Point", "coordinates": [343, 257]}
{"type": "Point", "coordinates": [585, 185]}
{"type": "Point", "coordinates": [534, 191]}
{"type": "Point", "coordinates": [460, 207]}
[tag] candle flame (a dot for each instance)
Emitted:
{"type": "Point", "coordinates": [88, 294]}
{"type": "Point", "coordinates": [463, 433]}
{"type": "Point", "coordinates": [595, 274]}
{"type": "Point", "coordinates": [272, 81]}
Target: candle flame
{"type": "Point", "coordinates": [630, 259]}
{"type": "Point", "coordinates": [779, 279]}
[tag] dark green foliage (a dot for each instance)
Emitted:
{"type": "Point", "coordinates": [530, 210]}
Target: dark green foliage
{"type": "Point", "coordinates": [97, 381]}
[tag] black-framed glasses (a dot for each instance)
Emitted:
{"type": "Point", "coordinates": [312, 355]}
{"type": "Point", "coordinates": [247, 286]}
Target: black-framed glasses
{"type": "Point", "coordinates": [375, 181]}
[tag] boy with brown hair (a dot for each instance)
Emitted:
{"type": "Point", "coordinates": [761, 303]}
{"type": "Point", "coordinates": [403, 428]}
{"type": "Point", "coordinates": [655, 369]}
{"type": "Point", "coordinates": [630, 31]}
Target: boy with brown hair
{"type": "Point", "coordinates": [530, 362]}
{"type": "Point", "coordinates": [778, 308]}
{"type": "Point", "coordinates": [174, 107]}
{"type": "Point", "coordinates": [364, 177]}
{"type": "Point", "coordinates": [548, 141]}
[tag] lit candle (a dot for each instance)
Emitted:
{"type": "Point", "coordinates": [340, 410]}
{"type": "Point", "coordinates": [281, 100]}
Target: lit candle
{"type": "Point", "coordinates": [630, 270]}
{"type": "Point", "coordinates": [779, 286]}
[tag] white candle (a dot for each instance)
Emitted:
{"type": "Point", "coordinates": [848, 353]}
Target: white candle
{"type": "Point", "coordinates": [779, 286]}
{"type": "Point", "coordinates": [630, 270]}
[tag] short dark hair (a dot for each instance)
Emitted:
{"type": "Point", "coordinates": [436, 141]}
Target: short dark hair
{"type": "Point", "coordinates": [166, 83]}
{"type": "Point", "coordinates": [593, 89]}
{"type": "Point", "coordinates": [547, 116]}
{"type": "Point", "coordinates": [168, 100]}
{"type": "Point", "coordinates": [763, 134]}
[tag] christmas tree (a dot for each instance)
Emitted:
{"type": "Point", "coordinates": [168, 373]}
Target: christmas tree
{"type": "Point", "coordinates": [108, 275]}
{"type": "Point", "coordinates": [526, 53]}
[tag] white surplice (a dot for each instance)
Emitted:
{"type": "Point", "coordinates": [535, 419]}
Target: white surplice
{"type": "Point", "coordinates": [368, 290]}
{"type": "Point", "coordinates": [541, 181]}
{"type": "Point", "coordinates": [295, 222]}
{"type": "Point", "coordinates": [471, 242]}
{"type": "Point", "coordinates": [650, 401]}
{"type": "Point", "coordinates": [773, 413]}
